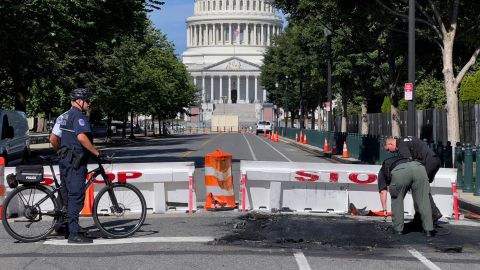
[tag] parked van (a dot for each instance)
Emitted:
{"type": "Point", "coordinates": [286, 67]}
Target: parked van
{"type": "Point", "coordinates": [14, 136]}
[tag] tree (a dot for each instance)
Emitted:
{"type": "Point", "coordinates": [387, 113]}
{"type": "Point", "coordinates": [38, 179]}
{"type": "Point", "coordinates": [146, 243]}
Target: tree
{"type": "Point", "coordinates": [447, 23]}
{"type": "Point", "coordinates": [470, 88]}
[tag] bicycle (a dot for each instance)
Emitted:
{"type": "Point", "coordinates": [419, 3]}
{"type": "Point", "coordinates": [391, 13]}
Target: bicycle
{"type": "Point", "coordinates": [32, 211]}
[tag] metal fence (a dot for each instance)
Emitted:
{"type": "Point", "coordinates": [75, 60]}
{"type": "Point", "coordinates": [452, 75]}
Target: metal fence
{"type": "Point", "coordinates": [431, 124]}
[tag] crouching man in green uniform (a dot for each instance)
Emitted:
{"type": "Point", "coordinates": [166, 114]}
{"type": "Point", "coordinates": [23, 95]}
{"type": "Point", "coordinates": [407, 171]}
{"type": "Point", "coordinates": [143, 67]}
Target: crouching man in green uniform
{"type": "Point", "coordinates": [400, 175]}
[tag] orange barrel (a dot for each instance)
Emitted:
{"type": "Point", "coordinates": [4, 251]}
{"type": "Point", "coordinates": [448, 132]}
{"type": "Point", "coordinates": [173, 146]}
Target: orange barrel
{"type": "Point", "coordinates": [2, 184]}
{"type": "Point", "coordinates": [219, 180]}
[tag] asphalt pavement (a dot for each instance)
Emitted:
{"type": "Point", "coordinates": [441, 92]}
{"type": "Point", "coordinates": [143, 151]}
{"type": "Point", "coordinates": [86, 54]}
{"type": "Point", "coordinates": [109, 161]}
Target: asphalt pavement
{"type": "Point", "coordinates": [256, 240]}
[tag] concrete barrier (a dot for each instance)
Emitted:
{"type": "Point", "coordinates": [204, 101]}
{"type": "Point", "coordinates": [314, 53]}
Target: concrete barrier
{"type": "Point", "coordinates": [165, 186]}
{"type": "Point", "coordinates": [325, 187]}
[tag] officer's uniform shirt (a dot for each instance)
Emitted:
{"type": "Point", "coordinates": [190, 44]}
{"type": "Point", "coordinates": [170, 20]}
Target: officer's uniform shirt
{"type": "Point", "coordinates": [385, 173]}
{"type": "Point", "coordinates": [414, 148]}
{"type": "Point", "coordinates": [56, 128]}
{"type": "Point", "coordinates": [74, 122]}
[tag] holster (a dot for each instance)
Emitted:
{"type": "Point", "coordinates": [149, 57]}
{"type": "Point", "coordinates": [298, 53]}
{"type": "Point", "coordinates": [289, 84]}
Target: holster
{"type": "Point", "coordinates": [76, 159]}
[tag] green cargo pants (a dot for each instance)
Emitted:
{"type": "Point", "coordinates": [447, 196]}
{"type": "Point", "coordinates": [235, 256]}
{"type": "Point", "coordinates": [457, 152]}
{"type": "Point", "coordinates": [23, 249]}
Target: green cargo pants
{"type": "Point", "coordinates": [405, 176]}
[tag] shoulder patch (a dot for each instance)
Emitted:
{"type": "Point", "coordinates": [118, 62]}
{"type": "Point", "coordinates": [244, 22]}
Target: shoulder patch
{"type": "Point", "coordinates": [81, 122]}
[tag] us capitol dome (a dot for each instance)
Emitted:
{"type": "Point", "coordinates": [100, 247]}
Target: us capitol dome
{"type": "Point", "coordinates": [226, 40]}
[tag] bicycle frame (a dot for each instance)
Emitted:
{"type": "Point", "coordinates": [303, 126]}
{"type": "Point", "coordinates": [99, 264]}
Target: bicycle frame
{"type": "Point", "coordinates": [91, 176]}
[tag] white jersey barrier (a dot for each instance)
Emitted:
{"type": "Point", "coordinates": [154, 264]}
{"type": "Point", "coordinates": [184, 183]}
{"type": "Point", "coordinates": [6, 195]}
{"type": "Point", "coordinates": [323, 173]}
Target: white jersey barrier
{"type": "Point", "coordinates": [325, 187]}
{"type": "Point", "coordinates": [160, 183]}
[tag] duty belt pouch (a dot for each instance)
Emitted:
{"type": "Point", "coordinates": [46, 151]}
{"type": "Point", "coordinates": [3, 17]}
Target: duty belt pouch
{"type": "Point", "coordinates": [78, 159]}
{"type": "Point", "coordinates": [29, 174]}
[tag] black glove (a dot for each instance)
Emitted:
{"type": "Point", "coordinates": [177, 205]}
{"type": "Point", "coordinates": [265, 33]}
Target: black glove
{"type": "Point", "coordinates": [101, 154]}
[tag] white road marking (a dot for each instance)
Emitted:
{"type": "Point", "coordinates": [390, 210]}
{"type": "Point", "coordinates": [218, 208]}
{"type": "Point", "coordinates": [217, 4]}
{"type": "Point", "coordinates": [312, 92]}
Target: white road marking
{"type": "Point", "coordinates": [249, 146]}
{"type": "Point", "coordinates": [131, 240]}
{"type": "Point", "coordinates": [275, 149]}
{"type": "Point", "coordinates": [301, 261]}
{"type": "Point", "coordinates": [424, 260]}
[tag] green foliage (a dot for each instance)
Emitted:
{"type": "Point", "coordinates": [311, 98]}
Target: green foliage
{"type": "Point", "coordinates": [386, 105]}
{"type": "Point", "coordinates": [430, 94]}
{"type": "Point", "coordinates": [470, 88]}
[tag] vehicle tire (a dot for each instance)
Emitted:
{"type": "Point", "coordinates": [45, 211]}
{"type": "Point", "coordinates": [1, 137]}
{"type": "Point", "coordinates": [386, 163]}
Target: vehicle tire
{"type": "Point", "coordinates": [127, 219]}
{"type": "Point", "coordinates": [25, 221]}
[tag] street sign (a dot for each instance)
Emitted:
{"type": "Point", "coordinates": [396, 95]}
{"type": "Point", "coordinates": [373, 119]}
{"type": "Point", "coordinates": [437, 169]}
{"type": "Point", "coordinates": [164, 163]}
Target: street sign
{"type": "Point", "coordinates": [409, 91]}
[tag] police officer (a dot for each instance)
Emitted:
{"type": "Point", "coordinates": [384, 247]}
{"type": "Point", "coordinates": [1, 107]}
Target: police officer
{"type": "Point", "coordinates": [414, 149]}
{"type": "Point", "coordinates": [76, 148]}
{"type": "Point", "coordinates": [400, 175]}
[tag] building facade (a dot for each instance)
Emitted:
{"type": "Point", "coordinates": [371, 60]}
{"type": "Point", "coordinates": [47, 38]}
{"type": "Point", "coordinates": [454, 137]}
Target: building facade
{"type": "Point", "coordinates": [226, 40]}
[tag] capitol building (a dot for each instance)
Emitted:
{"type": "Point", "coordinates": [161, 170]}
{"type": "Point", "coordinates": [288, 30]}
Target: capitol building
{"type": "Point", "coordinates": [226, 40]}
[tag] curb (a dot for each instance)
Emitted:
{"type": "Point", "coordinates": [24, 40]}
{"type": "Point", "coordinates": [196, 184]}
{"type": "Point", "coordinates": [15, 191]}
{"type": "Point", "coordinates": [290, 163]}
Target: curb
{"type": "Point", "coordinates": [469, 206]}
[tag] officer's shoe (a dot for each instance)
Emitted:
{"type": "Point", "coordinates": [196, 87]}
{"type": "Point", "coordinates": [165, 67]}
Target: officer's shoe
{"type": "Point", "coordinates": [436, 218]}
{"type": "Point", "coordinates": [79, 239]}
{"type": "Point", "coordinates": [429, 234]}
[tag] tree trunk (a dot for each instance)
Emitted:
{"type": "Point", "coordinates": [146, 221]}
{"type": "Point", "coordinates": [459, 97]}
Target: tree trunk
{"type": "Point", "coordinates": [451, 87]}
{"type": "Point", "coordinates": [20, 90]}
{"type": "Point", "coordinates": [109, 128]}
{"type": "Point", "coordinates": [132, 136]}
{"type": "Point", "coordinates": [320, 118]}
{"type": "Point", "coordinates": [124, 128]}
{"type": "Point", "coordinates": [312, 122]}
{"type": "Point", "coordinates": [292, 119]}
{"type": "Point", "coordinates": [364, 118]}
{"type": "Point", "coordinates": [344, 113]}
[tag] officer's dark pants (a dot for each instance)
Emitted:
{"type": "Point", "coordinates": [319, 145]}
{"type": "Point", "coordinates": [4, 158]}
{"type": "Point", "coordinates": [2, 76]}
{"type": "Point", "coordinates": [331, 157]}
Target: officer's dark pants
{"type": "Point", "coordinates": [410, 175]}
{"type": "Point", "coordinates": [75, 183]}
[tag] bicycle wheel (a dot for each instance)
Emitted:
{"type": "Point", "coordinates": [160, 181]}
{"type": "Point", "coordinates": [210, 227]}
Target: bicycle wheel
{"type": "Point", "coordinates": [30, 213]}
{"type": "Point", "coordinates": [123, 219]}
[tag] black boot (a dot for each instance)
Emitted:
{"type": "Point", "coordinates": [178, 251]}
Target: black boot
{"type": "Point", "coordinates": [79, 239]}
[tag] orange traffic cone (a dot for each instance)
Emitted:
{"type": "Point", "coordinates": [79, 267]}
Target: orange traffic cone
{"type": "Point", "coordinates": [345, 150]}
{"type": "Point", "coordinates": [88, 204]}
{"type": "Point", "coordinates": [325, 146]}
{"type": "Point", "coordinates": [301, 136]}
{"type": "Point", "coordinates": [276, 137]}
{"type": "Point", "coordinates": [296, 137]}
{"type": "Point", "coordinates": [265, 133]}
{"type": "Point", "coordinates": [305, 139]}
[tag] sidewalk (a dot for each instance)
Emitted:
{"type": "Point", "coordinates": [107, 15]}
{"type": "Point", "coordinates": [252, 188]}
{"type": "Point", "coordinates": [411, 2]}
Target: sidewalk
{"type": "Point", "coordinates": [467, 201]}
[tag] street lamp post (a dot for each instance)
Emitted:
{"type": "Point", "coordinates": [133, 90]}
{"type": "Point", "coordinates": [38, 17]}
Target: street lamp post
{"type": "Point", "coordinates": [275, 107]}
{"type": "Point", "coordinates": [328, 34]}
{"type": "Point", "coordinates": [411, 123]}
{"type": "Point", "coordinates": [286, 101]}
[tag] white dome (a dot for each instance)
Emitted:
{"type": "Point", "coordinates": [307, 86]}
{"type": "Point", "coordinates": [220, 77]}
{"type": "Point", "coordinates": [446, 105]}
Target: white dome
{"type": "Point", "coordinates": [226, 40]}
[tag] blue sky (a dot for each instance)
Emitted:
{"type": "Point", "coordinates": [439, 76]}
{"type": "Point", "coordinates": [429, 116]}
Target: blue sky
{"type": "Point", "coordinates": [171, 21]}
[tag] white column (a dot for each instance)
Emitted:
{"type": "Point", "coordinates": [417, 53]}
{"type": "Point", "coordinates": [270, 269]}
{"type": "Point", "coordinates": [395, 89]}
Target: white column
{"type": "Point", "coordinates": [239, 28]}
{"type": "Point", "coordinates": [229, 89]}
{"type": "Point", "coordinates": [222, 35]}
{"type": "Point", "coordinates": [264, 95]}
{"type": "Point", "coordinates": [214, 33]}
{"type": "Point", "coordinates": [255, 34]}
{"type": "Point", "coordinates": [211, 89]}
{"type": "Point", "coordinates": [268, 35]}
{"type": "Point", "coordinates": [238, 88]}
{"type": "Point", "coordinates": [248, 34]}
{"type": "Point", "coordinates": [203, 88]}
{"type": "Point", "coordinates": [195, 81]}
{"type": "Point", "coordinates": [261, 36]}
{"type": "Point", "coordinates": [230, 33]}
{"type": "Point", "coordinates": [246, 90]}
{"type": "Point", "coordinates": [256, 88]}
{"type": "Point", "coordinates": [221, 86]}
